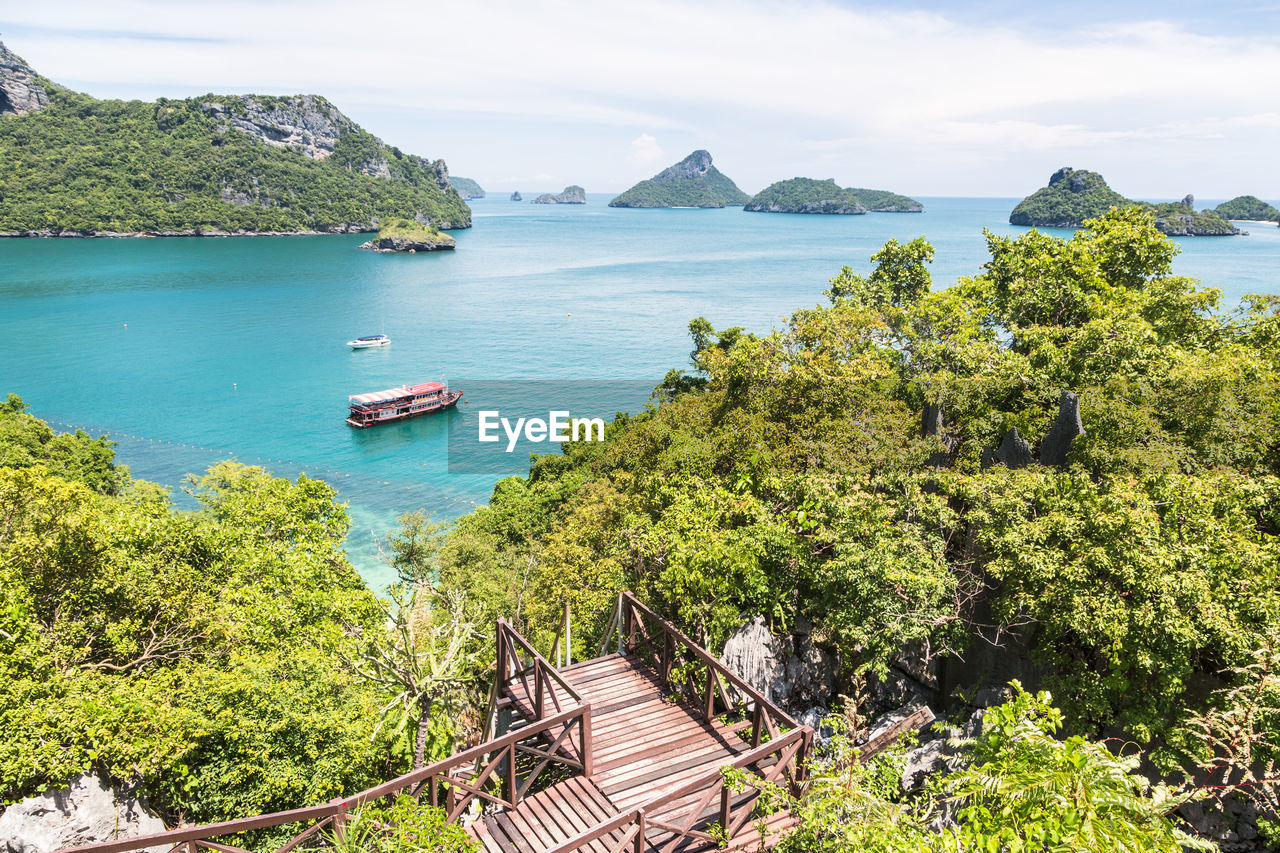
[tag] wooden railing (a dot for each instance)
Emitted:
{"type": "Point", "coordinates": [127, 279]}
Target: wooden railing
{"type": "Point", "coordinates": [500, 771]}
{"type": "Point", "coordinates": [688, 811]}
{"type": "Point", "coordinates": [691, 671]}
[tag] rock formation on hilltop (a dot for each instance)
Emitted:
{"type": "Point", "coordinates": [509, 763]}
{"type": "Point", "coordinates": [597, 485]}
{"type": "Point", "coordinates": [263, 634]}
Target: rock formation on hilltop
{"type": "Point", "coordinates": [21, 91]}
{"type": "Point", "coordinates": [572, 194]}
{"type": "Point", "coordinates": [1072, 196]}
{"type": "Point", "coordinates": [693, 182]}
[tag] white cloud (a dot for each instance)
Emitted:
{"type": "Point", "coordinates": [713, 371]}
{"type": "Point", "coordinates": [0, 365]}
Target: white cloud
{"type": "Point", "coordinates": [918, 92]}
{"type": "Point", "coordinates": [645, 149]}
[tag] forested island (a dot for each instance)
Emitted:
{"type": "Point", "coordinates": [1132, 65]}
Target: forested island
{"type": "Point", "coordinates": [572, 194]}
{"type": "Point", "coordinates": [216, 164]}
{"type": "Point", "coordinates": [806, 195]}
{"type": "Point", "coordinates": [466, 187]}
{"type": "Point", "coordinates": [1249, 208]}
{"type": "Point", "coordinates": [1043, 502]}
{"type": "Point", "coordinates": [693, 182]}
{"type": "Point", "coordinates": [1075, 195]}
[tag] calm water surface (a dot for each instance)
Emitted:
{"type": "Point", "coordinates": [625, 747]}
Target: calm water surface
{"type": "Point", "coordinates": [189, 350]}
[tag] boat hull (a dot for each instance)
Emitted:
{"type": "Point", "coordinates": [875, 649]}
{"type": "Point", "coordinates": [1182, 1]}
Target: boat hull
{"type": "Point", "coordinates": [449, 401]}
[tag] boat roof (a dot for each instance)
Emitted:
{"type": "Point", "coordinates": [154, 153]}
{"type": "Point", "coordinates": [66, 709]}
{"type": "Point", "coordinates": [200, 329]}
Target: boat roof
{"type": "Point", "coordinates": [395, 393]}
{"type": "Point", "coordinates": [371, 338]}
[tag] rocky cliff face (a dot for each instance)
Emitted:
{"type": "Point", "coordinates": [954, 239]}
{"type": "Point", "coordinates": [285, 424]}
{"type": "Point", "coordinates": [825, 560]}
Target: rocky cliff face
{"type": "Point", "coordinates": [20, 90]}
{"type": "Point", "coordinates": [307, 124]}
{"type": "Point", "coordinates": [572, 194]}
{"type": "Point", "coordinates": [695, 165]}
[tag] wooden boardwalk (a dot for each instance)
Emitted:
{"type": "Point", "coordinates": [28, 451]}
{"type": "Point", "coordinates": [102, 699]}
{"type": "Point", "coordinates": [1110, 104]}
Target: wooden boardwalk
{"type": "Point", "coordinates": [624, 752]}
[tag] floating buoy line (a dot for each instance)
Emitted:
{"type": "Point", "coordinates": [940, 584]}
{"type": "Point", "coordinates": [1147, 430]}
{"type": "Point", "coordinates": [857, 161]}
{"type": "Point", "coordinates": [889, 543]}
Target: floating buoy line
{"type": "Point", "coordinates": [260, 461]}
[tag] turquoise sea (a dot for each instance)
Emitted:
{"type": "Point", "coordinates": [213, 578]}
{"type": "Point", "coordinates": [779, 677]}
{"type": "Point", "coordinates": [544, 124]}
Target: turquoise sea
{"type": "Point", "coordinates": [189, 350]}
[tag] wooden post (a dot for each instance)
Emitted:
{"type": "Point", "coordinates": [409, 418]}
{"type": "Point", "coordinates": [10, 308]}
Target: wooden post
{"type": "Point", "coordinates": [339, 823]}
{"type": "Point", "coordinates": [757, 723]}
{"type": "Point", "coordinates": [587, 753]}
{"type": "Point", "coordinates": [501, 676]}
{"type": "Point", "coordinates": [710, 700]}
{"type": "Point", "coordinates": [724, 808]}
{"type": "Point", "coordinates": [537, 688]}
{"type": "Point", "coordinates": [568, 635]}
{"type": "Point", "coordinates": [668, 655]}
{"type": "Point", "coordinates": [617, 625]}
{"type": "Point", "coordinates": [629, 616]}
{"type": "Point", "coordinates": [511, 775]}
{"type": "Point", "coordinates": [640, 842]}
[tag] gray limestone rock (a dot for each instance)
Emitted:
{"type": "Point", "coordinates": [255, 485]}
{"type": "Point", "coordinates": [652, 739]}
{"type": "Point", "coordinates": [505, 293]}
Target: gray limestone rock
{"type": "Point", "coordinates": [20, 90]}
{"type": "Point", "coordinates": [515, 196]}
{"type": "Point", "coordinates": [1067, 427]}
{"type": "Point", "coordinates": [790, 670]}
{"type": "Point", "coordinates": [1014, 451]}
{"type": "Point", "coordinates": [88, 811]}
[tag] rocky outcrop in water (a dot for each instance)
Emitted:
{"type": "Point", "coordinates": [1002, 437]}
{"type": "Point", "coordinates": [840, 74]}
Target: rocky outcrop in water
{"type": "Point", "coordinates": [20, 90]}
{"type": "Point", "coordinates": [572, 194]}
{"type": "Point", "coordinates": [410, 245]}
{"type": "Point", "coordinates": [88, 811]}
{"type": "Point", "coordinates": [515, 196]}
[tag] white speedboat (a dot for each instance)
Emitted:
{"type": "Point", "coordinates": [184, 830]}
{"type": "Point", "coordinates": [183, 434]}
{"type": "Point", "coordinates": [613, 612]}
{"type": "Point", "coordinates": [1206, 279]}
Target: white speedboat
{"type": "Point", "coordinates": [370, 341]}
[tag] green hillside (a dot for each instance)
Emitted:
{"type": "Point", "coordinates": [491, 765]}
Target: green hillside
{"type": "Point", "coordinates": [693, 182]}
{"type": "Point", "coordinates": [1248, 207]}
{"type": "Point", "coordinates": [237, 163]}
{"type": "Point", "coordinates": [466, 187]}
{"type": "Point", "coordinates": [806, 195]}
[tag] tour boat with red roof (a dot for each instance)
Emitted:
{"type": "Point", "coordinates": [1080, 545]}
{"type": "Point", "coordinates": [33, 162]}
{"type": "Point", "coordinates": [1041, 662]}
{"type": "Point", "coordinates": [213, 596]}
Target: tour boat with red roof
{"type": "Point", "coordinates": [396, 404]}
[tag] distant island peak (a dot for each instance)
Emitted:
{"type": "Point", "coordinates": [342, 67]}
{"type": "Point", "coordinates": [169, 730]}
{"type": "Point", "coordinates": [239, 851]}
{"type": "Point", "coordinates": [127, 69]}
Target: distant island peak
{"type": "Point", "coordinates": [693, 182]}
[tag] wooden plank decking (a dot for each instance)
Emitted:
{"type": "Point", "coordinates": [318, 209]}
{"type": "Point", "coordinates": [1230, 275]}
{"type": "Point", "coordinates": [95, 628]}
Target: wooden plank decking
{"type": "Point", "coordinates": [646, 744]}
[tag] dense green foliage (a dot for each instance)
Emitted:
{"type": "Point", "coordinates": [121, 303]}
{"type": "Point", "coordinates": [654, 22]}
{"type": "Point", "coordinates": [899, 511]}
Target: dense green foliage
{"type": "Point", "coordinates": [787, 476]}
{"type": "Point", "coordinates": [805, 195]}
{"type": "Point", "coordinates": [410, 229]}
{"type": "Point", "coordinates": [26, 441]}
{"type": "Point", "coordinates": [1020, 789]}
{"type": "Point", "coordinates": [466, 187]}
{"type": "Point", "coordinates": [199, 653]}
{"type": "Point", "coordinates": [1072, 196]}
{"type": "Point", "coordinates": [693, 182]}
{"type": "Point", "coordinates": [404, 826]}
{"type": "Point", "coordinates": [1248, 207]}
{"type": "Point", "coordinates": [85, 165]}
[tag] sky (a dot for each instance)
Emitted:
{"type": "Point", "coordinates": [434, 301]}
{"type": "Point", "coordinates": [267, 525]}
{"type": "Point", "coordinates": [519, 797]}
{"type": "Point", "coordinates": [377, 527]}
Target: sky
{"type": "Point", "coordinates": [923, 97]}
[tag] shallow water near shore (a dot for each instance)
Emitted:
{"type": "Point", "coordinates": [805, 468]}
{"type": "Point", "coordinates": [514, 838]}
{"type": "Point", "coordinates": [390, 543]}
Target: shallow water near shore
{"type": "Point", "coordinates": [190, 350]}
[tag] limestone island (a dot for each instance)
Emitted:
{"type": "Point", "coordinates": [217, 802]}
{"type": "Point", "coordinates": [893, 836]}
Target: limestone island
{"type": "Point", "coordinates": [573, 194]}
{"type": "Point", "coordinates": [807, 195]}
{"type": "Point", "coordinates": [466, 187]}
{"type": "Point", "coordinates": [1248, 208]}
{"type": "Point", "coordinates": [693, 182]}
{"type": "Point", "coordinates": [515, 196]}
{"type": "Point", "coordinates": [1074, 195]}
{"type": "Point", "coordinates": [409, 236]}
{"type": "Point", "coordinates": [208, 165]}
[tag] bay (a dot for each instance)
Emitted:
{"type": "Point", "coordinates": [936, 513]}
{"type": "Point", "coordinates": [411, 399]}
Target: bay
{"type": "Point", "coordinates": [190, 350]}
